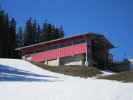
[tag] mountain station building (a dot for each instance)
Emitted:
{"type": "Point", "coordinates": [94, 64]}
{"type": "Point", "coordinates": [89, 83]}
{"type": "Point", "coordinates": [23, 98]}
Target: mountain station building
{"type": "Point", "coordinates": [86, 49]}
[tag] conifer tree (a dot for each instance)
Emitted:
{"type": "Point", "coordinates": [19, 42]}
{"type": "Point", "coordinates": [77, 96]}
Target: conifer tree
{"type": "Point", "coordinates": [28, 34]}
{"type": "Point", "coordinates": [38, 33]}
{"type": "Point", "coordinates": [12, 37]}
{"type": "Point", "coordinates": [34, 32]}
{"type": "Point", "coordinates": [2, 33]}
{"type": "Point", "coordinates": [51, 32]}
{"type": "Point", "coordinates": [43, 34]}
{"type": "Point", "coordinates": [20, 37]}
{"type": "Point", "coordinates": [7, 35]}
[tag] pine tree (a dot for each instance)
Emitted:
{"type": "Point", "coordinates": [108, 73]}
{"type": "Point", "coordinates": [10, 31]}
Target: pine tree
{"type": "Point", "coordinates": [28, 35]}
{"type": "Point", "coordinates": [51, 32]}
{"type": "Point", "coordinates": [12, 38]}
{"type": "Point", "coordinates": [7, 35]}
{"type": "Point", "coordinates": [20, 37]}
{"type": "Point", "coordinates": [43, 34]}
{"type": "Point", "coordinates": [61, 32]}
{"type": "Point", "coordinates": [38, 33]}
{"type": "Point", "coordinates": [58, 33]}
{"type": "Point", "coordinates": [34, 32]}
{"type": "Point", "coordinates": [2, 34]}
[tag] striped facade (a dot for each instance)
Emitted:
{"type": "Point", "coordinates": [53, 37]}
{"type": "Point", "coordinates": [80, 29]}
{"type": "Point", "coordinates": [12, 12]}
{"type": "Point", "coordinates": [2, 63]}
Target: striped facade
{"type": "Point", "coordinates": [86, 48]}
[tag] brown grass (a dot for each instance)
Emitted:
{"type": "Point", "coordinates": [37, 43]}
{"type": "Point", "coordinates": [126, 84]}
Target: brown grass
{"type": "Point", "coordinates": [126, 76]}
{"type": "Point", "coordinates": [81, 71]}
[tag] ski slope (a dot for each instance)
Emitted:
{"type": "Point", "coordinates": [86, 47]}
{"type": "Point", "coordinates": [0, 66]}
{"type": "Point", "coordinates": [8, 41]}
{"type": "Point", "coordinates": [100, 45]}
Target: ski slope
{"type": "Point", "coordinates": [39, 84]}
{"type": "Point", "coordinates": [20, 70]}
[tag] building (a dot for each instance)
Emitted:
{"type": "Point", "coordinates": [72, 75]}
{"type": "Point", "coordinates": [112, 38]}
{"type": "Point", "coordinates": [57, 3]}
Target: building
{"type": "Point", "coordinates": [86, 49]}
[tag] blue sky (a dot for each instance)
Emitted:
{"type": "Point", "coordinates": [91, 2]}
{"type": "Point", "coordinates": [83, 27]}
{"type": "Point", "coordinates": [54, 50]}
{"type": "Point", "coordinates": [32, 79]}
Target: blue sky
{"type": "Point", "coordinates": [113, 18]}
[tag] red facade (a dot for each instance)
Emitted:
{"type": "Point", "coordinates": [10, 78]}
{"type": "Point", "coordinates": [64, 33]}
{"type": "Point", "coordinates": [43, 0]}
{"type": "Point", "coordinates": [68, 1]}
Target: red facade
{"type": "Point", "coordinates": [61, 52]}
{"type": "Point", "coordinates": [70, 46]}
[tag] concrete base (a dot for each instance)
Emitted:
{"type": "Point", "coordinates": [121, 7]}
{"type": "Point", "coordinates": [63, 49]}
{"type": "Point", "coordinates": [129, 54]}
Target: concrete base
{"type": "Point", "coordinates": [54, 62]}
{"type": "Point", "coordinates": [72, 60]}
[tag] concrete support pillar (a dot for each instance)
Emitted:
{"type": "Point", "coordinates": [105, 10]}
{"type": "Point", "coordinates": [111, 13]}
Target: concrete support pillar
{"type": "Point", "coordinates": [86, 55]}
{"type": "Point", "coordinates": [46, 62]}
{"type": "Point", "coordinates": [58, 61]}
{"type": "Point", "coordinates": [91, 53]}
{"type": "Point", "coordinates": [87, 59]}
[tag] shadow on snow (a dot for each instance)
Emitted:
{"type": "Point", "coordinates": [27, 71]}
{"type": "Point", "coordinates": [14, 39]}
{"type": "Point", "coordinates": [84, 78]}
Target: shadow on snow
{"type": "Point", "coordinates": [8, 73]}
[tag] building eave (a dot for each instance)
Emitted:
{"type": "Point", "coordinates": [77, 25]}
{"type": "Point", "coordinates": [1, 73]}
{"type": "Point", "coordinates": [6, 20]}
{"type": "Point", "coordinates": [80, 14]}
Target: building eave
{"type": "Point", "coordinates": [65, 38]}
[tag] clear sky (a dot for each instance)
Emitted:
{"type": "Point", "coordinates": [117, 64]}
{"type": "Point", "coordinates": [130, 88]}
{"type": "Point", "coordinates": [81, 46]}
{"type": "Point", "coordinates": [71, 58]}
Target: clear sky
{"type": "Point", "coordinates": [113, 18]}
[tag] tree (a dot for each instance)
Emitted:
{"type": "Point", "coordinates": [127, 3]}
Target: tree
{"type": "Point", "coordinates": [59, 33]}
{"type": "Point", "coordinates": [51, 32]}
{"type": "Point", "coordinates": [34, 32]}
{"type": "Point", "coordinates": [38, 39]}
{"type": "Point", "coordinates": [20, 37]}
{"type": "Point", "coordinates": [2, 32]}
{"type": "Point", "coordinates": [43, 34]}
{"type": "Point", "coordinates": [12, 38]}
{"type": "Point", "coordinates": [28, 35]}
{"type": "Point", "coordinates": [7, 35]}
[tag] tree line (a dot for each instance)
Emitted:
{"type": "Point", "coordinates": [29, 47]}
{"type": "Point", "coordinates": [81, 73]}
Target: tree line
{"type": "Point", "coordinates": [31, 33]}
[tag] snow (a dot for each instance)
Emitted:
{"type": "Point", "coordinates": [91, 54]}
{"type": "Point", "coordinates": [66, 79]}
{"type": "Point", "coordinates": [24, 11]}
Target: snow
{"type": "Point", "coordinates": [15, 69]}
{"type": "Point", "coordinates": [62, 88]}
{"type": "Point", "coordinates": [107, 73]}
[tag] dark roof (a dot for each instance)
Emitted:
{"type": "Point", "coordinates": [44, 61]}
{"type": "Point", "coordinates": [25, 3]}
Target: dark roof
{"type": "Point", "coordinates": [90, 34]}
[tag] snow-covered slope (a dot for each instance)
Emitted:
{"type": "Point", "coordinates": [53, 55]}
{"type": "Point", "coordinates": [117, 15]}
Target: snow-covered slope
{"type": "Point", "coordinates": [63, 88]}
{"type": "Point", "coordinates": [24, 65]}
{"type": "Point", "coordinates": [20, 70]}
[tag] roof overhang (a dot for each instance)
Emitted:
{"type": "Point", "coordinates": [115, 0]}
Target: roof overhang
{"type": "Point", "coordinates": [90, 35]}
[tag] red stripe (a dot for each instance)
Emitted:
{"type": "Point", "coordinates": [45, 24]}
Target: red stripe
{"type": "Point", "coordinates": [61, 52]}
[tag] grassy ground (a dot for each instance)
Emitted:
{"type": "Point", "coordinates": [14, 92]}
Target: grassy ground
{"type": "Point", "coordinates": [81, 71]}
{"type": "Point", "coordinates": [85, 72]}
{"type": "Point", "coordinates": [126, 76]}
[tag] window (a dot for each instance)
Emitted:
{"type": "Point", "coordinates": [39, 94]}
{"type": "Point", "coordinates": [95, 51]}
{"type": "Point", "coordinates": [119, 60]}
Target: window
{"type": "Point", "coordinates": [78, 41]}
{"type": "Point", "coordinates": [47, 48]}
{"type": "Point", "coordinates": [66, 44]}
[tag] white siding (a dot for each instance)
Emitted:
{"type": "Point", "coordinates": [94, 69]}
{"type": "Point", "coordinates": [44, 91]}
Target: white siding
{"type": "Point", "coordinates": [54, 62]}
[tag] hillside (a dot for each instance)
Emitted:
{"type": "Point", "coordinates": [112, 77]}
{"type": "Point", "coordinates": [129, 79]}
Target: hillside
{"type": "Point", "coordinates": [75, 70]}
{"type": "Point", "coordinates": [54, 86]}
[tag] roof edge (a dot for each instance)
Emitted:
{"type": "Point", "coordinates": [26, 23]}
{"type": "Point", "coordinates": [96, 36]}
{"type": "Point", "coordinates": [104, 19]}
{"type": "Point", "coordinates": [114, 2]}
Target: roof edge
{"type": "Point", "coordinates": [72, 36]}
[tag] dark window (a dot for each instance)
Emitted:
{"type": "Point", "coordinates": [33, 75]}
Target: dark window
{"type": "Point", "coordinates": [47, 48]}
{"type": "Point", "coordinates": [65, 44]}
{"type": "Point", "coordinates": [52, 47]}
{"type": "Point", "coordinates": [78, 41]}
